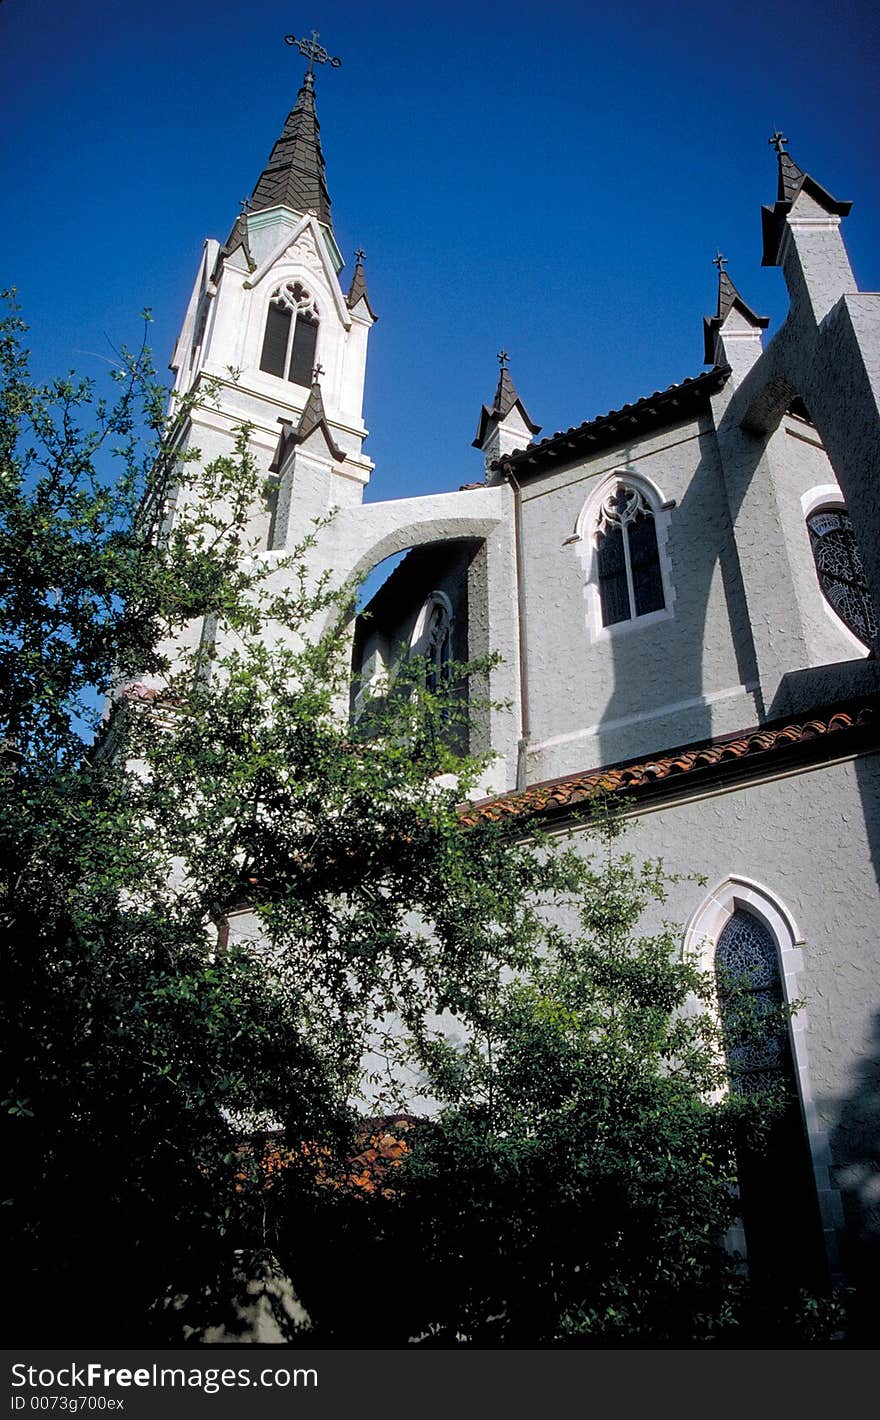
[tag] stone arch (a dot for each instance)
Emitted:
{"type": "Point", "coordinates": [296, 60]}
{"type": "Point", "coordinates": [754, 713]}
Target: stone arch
{"type": "Point", "coordinates": [360, 538]}
{"type": "Point", "coordinates": [830, 363]}
{"type": "Point", "coordinates": [413, 532]}
{"type": "Point", "coordinates": [768, 404]}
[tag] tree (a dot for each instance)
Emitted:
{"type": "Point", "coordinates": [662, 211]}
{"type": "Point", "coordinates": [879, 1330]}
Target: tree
{"type": "Point", "coordinates": [139, 1052]}
{"type": "Point", "coordinates": [159, 1071]}
{"type": "Point", "coordinates": [577, 1185]}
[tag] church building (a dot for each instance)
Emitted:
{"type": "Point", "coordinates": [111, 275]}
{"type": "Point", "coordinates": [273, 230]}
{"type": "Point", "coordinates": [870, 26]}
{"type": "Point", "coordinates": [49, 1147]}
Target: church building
{"type": "Point", "coordinates": [684, 593]}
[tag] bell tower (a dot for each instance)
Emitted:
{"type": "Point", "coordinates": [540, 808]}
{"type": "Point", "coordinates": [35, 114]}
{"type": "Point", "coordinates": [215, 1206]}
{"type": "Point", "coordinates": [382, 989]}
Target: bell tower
{"type": "Point", "coordinates": [282, 344]}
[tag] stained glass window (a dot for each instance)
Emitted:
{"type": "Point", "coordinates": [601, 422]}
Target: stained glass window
{"type": "Point", "coordinates": [840, 571]}
{"type": "Point", "coordinates": [630, 580]}
{"type": "Point", "coordinates": [774, 1171]}
{"type": "Point", "coordinates": [750, 995]}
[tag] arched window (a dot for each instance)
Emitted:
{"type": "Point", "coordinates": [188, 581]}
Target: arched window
{"type": "Point", "coordinates": [775, 1177]}
{"type": "Point", "coordinates": [840, 571]}
{"type": "Point", "coordinates": [750, 995]}
{"type": "Point", "coordinates": [291, 337]}
{"type": "Point", "coordinates": [629, 575]}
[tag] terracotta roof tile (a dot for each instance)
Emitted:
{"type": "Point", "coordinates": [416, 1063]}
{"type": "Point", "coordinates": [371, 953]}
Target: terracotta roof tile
{"type": "Point", "coordinates": [576, 790]}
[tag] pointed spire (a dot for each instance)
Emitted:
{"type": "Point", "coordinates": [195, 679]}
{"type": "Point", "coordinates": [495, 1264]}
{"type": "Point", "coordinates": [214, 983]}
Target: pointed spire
{"type": "Point", "coordinates": [357, 291]}
{"type": "Point", "coordinates": [791, 182]}
{"type": "Point", "coordinates": [505, 393]}
{"type": "Point", "coordinates": [728, 299]}
{"type": "Point", "coordinates": [314, 416]}
{"type": "Point", "coordinates": [239, 237]}
{"type": "Point", "coordinates": [294, 176]}
{"type": "Point", "coordinates": [506, 398]}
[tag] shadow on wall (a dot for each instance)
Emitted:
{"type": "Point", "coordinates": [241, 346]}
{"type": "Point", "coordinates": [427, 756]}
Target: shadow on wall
{"type": "Point", "coordinates": [855, 1140]}
{"type": "Point", "coordinates": [665, 664]}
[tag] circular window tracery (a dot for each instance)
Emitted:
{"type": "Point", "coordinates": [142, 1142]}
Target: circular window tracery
{"type": "Point", "coordinates": [293, 296]}
{"type": "Point", "coordinates": [840, 571]}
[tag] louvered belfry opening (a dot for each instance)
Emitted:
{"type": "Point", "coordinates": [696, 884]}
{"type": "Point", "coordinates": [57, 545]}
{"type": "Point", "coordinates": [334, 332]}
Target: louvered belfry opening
{"type": "Point", "coordinates": [275, 341]}
{"type": "Point", "coordinates": [290, 340]}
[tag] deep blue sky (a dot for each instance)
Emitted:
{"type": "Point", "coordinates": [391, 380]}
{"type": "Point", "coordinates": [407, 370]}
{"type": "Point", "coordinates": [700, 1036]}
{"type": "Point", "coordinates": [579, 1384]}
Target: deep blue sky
{"type": "Point", "coordinates": [552, 178]}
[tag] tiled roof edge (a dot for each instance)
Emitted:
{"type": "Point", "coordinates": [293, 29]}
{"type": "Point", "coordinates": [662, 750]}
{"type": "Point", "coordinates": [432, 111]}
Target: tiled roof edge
{"type": "Point", "coordinates": [653, 411]}
{"type": "Point", "coordinates": [708, 757]}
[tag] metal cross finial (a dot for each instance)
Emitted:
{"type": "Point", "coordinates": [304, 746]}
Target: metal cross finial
{"type": "Point", "coordinates": [778, 141]}
{"type": "Point", "coordinates": [502, 357]}
{"type": "Point", "coordinates": [314, 52]}
{"type": "Point", "coordinates": [246, 206]}
{"type": "Point", "coordinates": [317, 373]}
{"type": "Point", "coordinates": [719, 261]}
{"type": "Point", "coordinates": [360, 254]}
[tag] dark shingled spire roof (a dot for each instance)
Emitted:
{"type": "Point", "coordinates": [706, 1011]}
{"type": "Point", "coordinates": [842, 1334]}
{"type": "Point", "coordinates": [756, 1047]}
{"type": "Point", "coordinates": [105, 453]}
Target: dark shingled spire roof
{"type": "Point", "coordinates": [505, 398]}
{"type": "Point", "coordinates": [790, 177]}
{"type": "Point", "coordinates": [505, 394]}
{"type": "Point", "coordinates": [791, 182]}
{"type": "Point", "coordinates": [357, 291]}
{"type": "Point", "coordinates": [313, 417]}
{"type": "Point", "coordinates": [238, 237]}
{"type": "Point", "coordinates": [728, 297]}
{"type": "Point", "coordinates": [294, 175]}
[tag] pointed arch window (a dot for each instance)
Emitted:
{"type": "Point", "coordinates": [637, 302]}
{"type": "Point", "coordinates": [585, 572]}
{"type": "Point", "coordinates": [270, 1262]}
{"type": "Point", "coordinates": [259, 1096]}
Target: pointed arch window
{"type": "Point", "coordinates": [751, 998]}
{"type": "Point", "coordinates": [290, 339]}
{"type": "Point", "coordinates": [628, 558]}
{"type": "Point", "coordinates": [840, 571]}
{"type": "Point", "coordinates": [759, 1057]}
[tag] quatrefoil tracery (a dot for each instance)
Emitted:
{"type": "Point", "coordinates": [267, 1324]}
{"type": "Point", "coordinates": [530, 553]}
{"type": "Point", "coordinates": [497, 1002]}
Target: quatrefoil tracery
{"type": "Point", "coordinates": [293, 296]}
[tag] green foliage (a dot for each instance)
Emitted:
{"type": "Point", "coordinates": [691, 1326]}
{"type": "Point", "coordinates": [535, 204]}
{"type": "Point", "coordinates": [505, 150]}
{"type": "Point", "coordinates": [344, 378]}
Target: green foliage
{"type": "Point", "coordinates": [577, 1185]}
{"type": "Point", "coordinates": [139, 1049]}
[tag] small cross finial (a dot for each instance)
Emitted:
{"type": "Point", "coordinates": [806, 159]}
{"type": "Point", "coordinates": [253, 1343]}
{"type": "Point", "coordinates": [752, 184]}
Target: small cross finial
{"type": "Point", "coordinates": [246, 206]}
{"type": "Point", "coordinates": [778, 141]}
{"type": "Point", "coordinates": [719, 261]}
{"type": "Point", "coordinates": [502, 358]}
{"type": "Point", "coordinates": [360, 254]}
{"type": "Point", "coordinates": [314, 52]}
{"type": "Point", "coordinates": [317, 373]}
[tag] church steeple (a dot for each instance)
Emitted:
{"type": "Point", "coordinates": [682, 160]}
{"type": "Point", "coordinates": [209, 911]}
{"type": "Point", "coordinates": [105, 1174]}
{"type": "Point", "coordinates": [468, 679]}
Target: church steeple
{"type": "Point", "coordinates": [794, 188]}
{"type": "Point", "coordinates": [295, 175]}
{"type": "Point", "coordinates": [505, 425]}
{"type": "Point", "coordinates": [733, 335]}
{"type": "Point", "coordinates": [357, 291]}
{"type": "Point", "coordinates": [802, 235]}
{"type": "Point", "coordinates": [269, 307]}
